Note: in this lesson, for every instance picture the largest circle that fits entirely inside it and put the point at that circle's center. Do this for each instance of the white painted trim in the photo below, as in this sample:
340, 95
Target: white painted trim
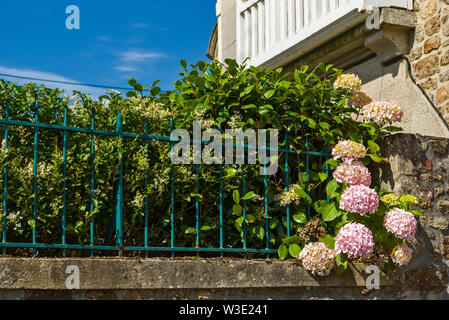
294, 26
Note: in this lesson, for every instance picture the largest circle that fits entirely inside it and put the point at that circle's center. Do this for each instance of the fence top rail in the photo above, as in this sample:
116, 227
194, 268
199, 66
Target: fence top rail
155, 137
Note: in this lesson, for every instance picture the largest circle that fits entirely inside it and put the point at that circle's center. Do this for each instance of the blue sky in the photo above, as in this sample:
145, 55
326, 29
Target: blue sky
117, 40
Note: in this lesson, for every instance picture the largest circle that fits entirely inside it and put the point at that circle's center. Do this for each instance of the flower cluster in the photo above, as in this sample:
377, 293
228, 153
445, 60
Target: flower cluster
289, 197
348, 81
360, 99
408, 198
390, 200
349, 150
401, 223
382, 112
359, 199
355, 240
352, 173
318, 258
402, 255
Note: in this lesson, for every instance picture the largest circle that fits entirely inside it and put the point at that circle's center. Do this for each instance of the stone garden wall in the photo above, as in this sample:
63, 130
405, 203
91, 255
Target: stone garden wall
419, 165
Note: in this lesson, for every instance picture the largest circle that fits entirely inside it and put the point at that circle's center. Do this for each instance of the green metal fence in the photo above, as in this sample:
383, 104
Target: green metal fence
147, 137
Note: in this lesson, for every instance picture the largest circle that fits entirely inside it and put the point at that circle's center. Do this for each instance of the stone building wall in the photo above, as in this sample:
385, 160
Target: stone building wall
430, 51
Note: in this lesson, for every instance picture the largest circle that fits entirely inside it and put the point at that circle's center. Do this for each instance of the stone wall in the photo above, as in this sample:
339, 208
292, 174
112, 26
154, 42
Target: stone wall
419, 165
430, 51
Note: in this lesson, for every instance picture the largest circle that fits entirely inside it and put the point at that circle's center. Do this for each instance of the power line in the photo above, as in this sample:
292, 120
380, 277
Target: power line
65, 82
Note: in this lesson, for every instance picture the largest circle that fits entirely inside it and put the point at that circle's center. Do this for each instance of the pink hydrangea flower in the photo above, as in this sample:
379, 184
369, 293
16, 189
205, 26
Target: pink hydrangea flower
402, 255
359, 199
317, 258
352, 173
348, 81
382, 112
349, 150
355, 240
401, 223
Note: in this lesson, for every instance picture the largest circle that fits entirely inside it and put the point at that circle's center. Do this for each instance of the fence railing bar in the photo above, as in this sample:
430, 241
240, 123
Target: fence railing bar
147, 173
308, 176
64, 181
287, 183
119, 207
172, 198
221, 203
132, 248
243, 194
265, 182
197, 208
5, 177
92, 181
36, 136
326, 150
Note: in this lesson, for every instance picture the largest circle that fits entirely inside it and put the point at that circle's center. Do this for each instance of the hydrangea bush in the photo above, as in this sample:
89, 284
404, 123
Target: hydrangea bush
360, 218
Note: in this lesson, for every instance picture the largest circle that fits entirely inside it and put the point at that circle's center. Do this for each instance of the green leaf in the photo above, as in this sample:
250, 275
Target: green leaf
300, 217
32, 223
330, 212
332, 163
183, 63
250, 218
378, 159
322, 176
249, 195
341, 262
239, 223
417, 212
393, 129
291, 240
237, 210
268, 94
328, 240
282, 252
312, 123
230, 172
206, 228
236, 196
332, 189
259, 232
319, 206
324, 125
190, 230
373, 147
294, 250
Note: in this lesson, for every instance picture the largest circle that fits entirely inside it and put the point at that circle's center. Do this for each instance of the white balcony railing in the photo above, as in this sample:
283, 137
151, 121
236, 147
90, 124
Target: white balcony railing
274, 32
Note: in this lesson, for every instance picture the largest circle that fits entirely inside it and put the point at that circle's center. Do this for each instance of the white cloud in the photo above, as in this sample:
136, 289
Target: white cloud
139, 56
125, 68
36, 74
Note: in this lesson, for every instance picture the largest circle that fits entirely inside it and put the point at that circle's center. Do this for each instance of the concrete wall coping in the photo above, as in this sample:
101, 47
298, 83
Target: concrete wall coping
119, 273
